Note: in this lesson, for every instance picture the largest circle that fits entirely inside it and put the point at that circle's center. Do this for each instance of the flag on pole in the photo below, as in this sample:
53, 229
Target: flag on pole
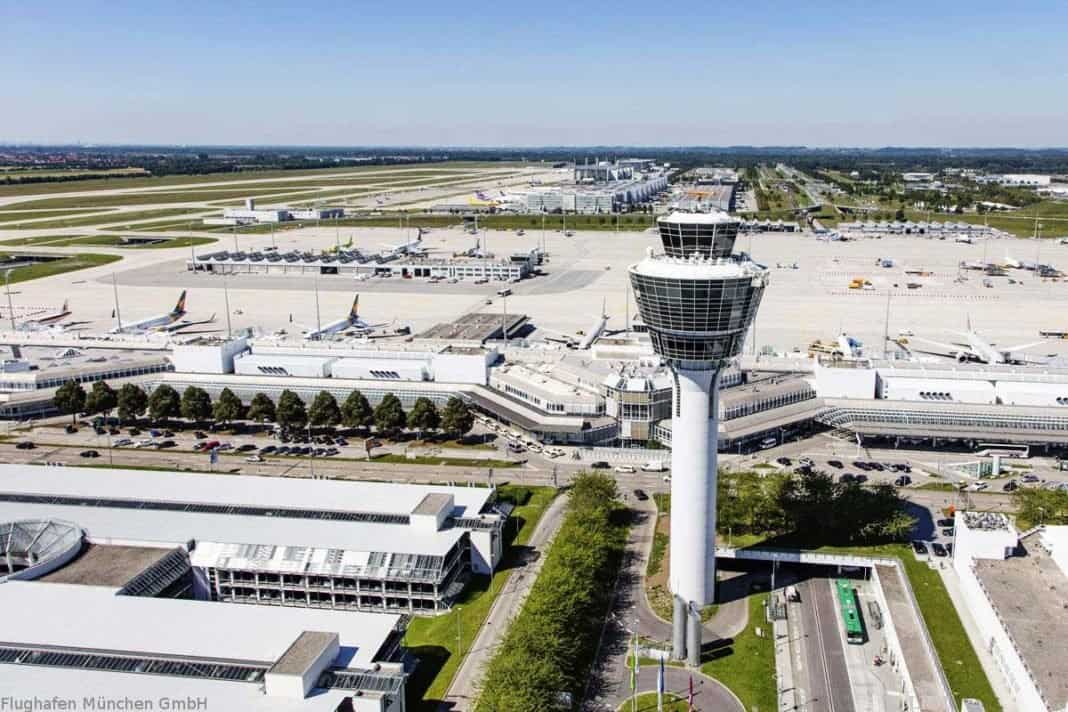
689, 698
660, 687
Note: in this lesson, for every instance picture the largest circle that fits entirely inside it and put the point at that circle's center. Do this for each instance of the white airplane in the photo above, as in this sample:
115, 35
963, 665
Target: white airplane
154, 323
412, 247
976, 348
351, 323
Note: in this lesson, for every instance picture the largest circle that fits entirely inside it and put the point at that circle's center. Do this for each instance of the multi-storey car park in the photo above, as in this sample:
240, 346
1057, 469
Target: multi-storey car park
342, 545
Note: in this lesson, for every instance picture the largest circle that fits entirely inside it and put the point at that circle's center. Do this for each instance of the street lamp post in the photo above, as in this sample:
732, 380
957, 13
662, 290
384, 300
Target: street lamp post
10, 308
459, 633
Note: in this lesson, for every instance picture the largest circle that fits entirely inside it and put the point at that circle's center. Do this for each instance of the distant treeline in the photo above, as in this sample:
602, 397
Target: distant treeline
193, 160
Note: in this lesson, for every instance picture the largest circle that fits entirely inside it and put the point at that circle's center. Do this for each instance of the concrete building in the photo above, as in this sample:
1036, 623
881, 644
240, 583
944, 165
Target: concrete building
71, 642
1017, 180
341, 545
697, 301
1015, 585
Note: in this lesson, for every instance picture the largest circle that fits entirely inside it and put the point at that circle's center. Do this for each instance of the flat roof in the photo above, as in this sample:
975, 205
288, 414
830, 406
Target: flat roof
156, 527
291, 493
709, 218
1029, 594
106, 565
94, 618
304, 651
78, 684
433, 503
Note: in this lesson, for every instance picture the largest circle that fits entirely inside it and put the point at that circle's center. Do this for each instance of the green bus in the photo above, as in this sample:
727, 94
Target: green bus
847, 605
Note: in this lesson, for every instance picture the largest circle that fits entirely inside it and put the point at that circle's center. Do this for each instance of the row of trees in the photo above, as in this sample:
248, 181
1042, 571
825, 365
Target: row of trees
547, 653
389, 416
811, 507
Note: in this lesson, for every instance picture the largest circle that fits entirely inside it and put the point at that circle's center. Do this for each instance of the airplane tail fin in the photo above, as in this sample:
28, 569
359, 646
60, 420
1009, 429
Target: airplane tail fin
354, 312
179, 308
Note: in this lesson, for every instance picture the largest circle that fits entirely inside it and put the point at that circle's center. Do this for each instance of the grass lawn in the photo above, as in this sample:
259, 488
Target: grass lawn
39, 240
120, 241
66, 264
101, 218
747, 664
434, 460
9, 217
646, 702
434, 639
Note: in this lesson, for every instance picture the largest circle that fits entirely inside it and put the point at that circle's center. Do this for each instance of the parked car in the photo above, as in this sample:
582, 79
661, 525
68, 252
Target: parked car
247, 447
640, 495
200, 435
837, 464
267, 449
122, 442
919, 547
948, 532
70, 429
25, 445
600, 465
166, 444
625, 469
948, 522
1030, 478
89, 453
1010, 486
654, 466
784, 461
253, 458
903, 481
938, 549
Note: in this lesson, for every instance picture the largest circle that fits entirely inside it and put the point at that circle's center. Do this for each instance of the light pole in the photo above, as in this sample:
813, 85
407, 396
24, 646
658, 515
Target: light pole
459, 633
10, 308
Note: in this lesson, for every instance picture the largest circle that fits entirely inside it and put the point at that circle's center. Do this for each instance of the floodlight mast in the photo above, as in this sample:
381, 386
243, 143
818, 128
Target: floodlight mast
697, 300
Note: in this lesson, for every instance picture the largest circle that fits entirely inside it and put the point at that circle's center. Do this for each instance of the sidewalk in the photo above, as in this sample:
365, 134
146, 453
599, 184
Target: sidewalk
784, 670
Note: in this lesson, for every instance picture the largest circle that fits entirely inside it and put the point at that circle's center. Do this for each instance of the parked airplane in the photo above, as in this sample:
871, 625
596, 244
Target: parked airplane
60, 315
412, 247
185, 324
352, 323
153, 323
976, 348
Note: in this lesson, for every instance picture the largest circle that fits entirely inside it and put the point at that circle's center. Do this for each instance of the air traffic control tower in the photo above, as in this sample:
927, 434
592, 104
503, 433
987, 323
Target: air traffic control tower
697, 300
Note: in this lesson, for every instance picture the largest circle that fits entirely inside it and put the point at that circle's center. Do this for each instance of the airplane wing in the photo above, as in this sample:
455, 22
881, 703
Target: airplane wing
952, 349
1022, 347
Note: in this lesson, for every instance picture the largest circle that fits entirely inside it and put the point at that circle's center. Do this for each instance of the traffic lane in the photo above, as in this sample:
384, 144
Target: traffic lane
824, 623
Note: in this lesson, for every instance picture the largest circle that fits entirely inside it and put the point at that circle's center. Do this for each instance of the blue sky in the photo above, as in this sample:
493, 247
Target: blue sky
535, 73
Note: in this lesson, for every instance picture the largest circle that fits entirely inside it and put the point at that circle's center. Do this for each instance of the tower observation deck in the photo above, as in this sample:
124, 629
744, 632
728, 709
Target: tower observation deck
697, 300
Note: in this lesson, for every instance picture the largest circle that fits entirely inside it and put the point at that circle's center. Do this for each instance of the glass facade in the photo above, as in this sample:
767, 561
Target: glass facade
703, 238
697, 320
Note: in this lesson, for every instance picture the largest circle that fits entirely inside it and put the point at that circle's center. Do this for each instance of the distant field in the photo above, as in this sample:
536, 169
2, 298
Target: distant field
118, 241
39, 240
104, 218
67, 264
7, 217
17, 175
238, 177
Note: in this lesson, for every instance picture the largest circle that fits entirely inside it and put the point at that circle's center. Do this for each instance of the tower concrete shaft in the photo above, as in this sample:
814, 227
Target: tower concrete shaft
694, 426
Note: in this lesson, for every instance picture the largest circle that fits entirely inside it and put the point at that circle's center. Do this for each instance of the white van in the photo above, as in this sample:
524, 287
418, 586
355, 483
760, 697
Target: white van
504, 292
654, 466
768, 443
